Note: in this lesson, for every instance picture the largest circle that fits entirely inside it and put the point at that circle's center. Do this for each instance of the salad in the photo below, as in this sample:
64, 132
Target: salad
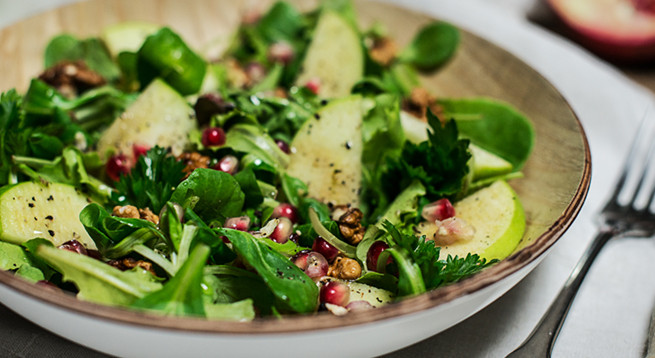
304, 169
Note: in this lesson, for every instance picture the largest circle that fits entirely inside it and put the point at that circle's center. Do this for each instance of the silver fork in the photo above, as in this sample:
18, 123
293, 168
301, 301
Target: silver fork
618, 218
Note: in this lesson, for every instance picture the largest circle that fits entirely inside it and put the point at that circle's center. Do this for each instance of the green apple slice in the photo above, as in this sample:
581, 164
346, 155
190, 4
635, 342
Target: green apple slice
327, 150
160, 116
127, 36
334, 58
497, 216
50, 211
486, 164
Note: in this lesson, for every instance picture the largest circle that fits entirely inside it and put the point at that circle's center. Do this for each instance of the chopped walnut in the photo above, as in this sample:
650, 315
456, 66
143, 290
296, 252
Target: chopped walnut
127, 211
129, 263
350, 226
419, 101
146, 214
132, 212
345, 268
384, 50
193, 161
71, 78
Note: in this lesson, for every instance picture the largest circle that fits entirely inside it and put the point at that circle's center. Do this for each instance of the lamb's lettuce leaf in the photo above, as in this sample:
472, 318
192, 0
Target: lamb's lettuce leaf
97, 281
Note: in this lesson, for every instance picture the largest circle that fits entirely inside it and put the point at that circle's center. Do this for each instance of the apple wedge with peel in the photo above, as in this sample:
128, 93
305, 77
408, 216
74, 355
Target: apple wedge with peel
620, 30
497, 216
335, 57
326, 152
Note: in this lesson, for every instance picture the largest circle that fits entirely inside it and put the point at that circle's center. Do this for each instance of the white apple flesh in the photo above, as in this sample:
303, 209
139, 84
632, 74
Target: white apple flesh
619, 30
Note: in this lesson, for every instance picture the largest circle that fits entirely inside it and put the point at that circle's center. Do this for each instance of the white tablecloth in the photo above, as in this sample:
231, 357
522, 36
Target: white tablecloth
610, 316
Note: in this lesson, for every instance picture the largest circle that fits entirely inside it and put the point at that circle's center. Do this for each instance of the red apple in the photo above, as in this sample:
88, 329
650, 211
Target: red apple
619, 30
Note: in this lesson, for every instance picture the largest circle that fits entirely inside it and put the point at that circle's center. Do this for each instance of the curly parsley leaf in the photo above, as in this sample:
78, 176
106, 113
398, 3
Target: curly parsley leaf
423, 256
151, 182
440, 163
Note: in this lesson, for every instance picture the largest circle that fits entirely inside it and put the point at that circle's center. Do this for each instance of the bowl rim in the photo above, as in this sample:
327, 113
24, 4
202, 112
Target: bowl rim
304, 323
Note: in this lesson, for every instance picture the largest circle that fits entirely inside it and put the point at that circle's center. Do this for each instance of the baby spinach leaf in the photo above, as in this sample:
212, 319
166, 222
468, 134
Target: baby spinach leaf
254, 140
229, 284
116, 236
212, 194
182, 294
294, 291
165, 55
432, 46
494, 126
248, 184
91, 51
97, 281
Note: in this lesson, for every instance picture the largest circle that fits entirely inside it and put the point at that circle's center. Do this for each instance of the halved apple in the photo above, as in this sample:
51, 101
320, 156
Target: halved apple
622, 30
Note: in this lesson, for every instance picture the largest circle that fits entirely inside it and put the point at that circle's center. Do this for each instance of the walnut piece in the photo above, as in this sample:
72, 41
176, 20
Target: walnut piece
345, 268
350, 226
193, 161
132, 212
419, 101
383, 51
129, 263
71, 78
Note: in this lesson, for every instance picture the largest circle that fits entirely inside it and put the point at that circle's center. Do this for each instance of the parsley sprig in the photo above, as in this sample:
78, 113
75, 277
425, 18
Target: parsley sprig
418, 260
151, 182
440, 163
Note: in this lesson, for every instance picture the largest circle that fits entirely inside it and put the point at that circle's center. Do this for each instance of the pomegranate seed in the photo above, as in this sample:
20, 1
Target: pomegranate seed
73, 246
360, 305
282, 231
280, 52
284, 146
336, 293
213, 137
255, 72
325, 248
300, 259
441, 209
139, 150
317, 265
117, 165
228, 164
241, 223
314, 85
373, 255
452, 230
286, 210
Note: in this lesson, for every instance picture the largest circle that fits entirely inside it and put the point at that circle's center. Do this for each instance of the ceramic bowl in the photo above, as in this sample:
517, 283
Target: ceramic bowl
553, 189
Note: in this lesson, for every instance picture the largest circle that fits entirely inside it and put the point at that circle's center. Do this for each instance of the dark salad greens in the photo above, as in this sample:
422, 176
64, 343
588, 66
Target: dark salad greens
294, 174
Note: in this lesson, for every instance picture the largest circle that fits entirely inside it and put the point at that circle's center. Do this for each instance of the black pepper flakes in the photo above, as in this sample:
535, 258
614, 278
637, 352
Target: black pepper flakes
31, 205
348, 145
51, 232
317, 116
49, 217
50, 198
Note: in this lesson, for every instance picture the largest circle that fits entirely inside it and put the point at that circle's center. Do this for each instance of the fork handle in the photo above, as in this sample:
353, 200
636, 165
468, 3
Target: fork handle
541, 340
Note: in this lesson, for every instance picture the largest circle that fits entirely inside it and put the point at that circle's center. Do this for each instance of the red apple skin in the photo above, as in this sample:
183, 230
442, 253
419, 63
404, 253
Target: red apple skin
625, 35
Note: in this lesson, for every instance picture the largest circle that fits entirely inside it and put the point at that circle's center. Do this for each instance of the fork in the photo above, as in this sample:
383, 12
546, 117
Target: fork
617, 219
